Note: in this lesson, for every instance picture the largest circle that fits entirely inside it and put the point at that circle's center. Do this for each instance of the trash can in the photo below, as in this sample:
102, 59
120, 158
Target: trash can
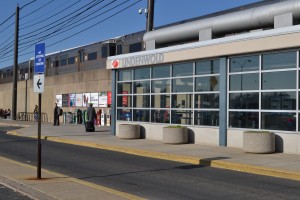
83, 116
75, 117
69, 118
64, 117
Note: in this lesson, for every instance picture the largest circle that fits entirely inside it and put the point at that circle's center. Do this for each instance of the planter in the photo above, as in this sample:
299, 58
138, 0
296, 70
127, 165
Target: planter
258, 142
129, 131
175, 135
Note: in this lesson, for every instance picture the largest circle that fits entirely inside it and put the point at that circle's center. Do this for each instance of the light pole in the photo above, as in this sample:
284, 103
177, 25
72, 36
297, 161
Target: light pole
26, 78
149, 12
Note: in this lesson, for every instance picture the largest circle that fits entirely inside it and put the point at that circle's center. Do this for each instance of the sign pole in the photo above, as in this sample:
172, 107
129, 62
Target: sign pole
39, 153
38, 87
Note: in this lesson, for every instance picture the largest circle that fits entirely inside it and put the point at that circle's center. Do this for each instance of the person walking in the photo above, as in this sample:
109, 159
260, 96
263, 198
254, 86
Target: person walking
91, 116
36, 113
56, 115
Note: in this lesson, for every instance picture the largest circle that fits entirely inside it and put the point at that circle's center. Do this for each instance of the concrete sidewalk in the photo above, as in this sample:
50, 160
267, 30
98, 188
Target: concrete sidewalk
276, 164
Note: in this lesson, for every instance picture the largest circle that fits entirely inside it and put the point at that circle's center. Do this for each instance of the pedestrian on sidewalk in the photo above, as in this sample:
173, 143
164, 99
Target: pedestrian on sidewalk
56, 115
36, 113
91, 116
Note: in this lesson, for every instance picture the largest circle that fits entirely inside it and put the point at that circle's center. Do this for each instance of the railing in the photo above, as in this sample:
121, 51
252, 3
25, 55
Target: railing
29, 116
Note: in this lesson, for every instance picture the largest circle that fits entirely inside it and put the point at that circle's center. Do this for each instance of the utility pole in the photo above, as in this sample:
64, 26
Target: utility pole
15, 69
150, 15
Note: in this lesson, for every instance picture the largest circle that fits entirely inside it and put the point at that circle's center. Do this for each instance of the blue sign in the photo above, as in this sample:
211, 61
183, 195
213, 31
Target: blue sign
39, 59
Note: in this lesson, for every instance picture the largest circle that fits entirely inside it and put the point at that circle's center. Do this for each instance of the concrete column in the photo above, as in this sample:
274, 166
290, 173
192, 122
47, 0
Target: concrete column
113, 101
205, 34
150, 45
283, 20
223, 102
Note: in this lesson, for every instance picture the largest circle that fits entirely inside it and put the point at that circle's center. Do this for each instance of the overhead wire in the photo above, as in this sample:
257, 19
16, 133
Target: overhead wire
81, 31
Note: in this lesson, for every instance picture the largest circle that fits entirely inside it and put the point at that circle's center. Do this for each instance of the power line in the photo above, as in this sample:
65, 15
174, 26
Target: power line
27, 4
36, 9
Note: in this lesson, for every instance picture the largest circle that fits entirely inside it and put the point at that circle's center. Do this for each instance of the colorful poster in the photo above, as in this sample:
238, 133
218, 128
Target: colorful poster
65, 100
72, 100
102, 99
94, 99
78, 102
58, 100
86, 99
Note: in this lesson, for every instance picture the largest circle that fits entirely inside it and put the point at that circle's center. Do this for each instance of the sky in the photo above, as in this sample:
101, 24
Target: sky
64, 24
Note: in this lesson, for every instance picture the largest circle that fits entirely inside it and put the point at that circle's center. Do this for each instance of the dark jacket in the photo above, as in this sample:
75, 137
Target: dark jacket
91, 113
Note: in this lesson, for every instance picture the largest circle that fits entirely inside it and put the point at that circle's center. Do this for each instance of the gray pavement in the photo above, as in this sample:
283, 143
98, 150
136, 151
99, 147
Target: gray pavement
276, 164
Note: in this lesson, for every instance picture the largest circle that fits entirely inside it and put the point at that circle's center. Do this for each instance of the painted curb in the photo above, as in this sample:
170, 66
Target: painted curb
253, 169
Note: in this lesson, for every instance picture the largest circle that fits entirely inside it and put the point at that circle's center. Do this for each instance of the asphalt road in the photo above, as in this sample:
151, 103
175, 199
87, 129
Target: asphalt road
147, 177
9, 194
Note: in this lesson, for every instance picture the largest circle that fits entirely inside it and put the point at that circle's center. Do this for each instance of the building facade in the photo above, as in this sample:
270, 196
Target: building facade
217, 86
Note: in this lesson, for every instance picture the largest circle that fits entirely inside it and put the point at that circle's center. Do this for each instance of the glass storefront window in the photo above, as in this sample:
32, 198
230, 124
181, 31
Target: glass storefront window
278, 101
142, 73
141, 101
244, 100
141, 115
182, 85
182, 69
279, 80
125, 75
160, 101
161, 72
160, 86
278, 121
182, 100
243, 119
124, 114
124, 101
181, 117
207, 83
207, 118
124, 88
206, 101
160, 116
282, 60
244, 82
243, 64
141, 87
208, 67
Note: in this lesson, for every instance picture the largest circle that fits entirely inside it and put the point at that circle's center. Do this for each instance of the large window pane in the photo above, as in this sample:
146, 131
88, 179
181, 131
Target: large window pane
161, 72
244, 82
279, 60
207, 118
206, 101
243, 119
123, 101
142, 73
244, 100
182, 100
279, 80
141, 101
124, 114
208, 67
278, 121
278, 101
242, 64
160, 116
141, 87
181, 116
207, 83
182, 85
183, 69
125, 75
141, 115
160, 101
124, 88
160, 86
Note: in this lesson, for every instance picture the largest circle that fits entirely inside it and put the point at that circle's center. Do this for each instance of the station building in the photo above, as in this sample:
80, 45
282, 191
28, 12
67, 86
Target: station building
220, 75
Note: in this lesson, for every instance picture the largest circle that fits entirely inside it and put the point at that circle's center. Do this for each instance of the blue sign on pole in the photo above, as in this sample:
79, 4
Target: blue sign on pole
39, 59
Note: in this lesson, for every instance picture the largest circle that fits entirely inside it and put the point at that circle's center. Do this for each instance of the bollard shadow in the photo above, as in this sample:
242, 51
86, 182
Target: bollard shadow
279, 144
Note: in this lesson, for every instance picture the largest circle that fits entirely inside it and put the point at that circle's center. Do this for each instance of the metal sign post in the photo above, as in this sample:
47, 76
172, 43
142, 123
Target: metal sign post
38, 87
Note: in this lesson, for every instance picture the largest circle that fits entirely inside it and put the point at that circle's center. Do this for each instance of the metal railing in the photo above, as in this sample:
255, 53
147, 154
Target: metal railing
30, 116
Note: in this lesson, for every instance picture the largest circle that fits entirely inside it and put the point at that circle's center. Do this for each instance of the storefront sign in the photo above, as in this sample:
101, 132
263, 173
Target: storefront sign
138, 61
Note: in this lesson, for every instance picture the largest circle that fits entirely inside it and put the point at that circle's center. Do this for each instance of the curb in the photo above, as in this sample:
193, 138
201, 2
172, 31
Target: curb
253, 169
